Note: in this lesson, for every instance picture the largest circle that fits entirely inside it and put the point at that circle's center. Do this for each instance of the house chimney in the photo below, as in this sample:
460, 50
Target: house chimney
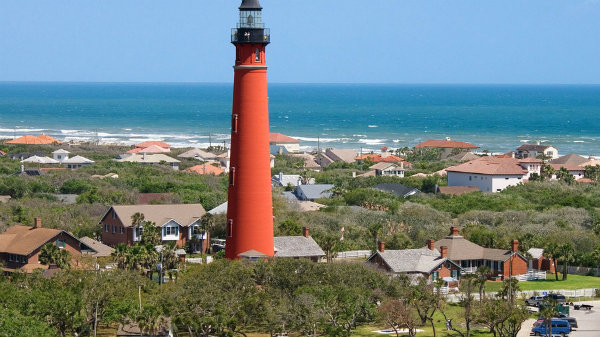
430, 244
37, 222
454, 231
444, 252
381, 246
515, 245
305, 232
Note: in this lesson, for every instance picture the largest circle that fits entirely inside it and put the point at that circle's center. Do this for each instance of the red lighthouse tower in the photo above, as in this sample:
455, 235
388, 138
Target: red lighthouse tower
250, 210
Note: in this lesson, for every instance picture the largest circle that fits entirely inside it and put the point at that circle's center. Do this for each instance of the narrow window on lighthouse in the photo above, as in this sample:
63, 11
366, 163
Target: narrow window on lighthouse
234, 123
232, 176
257, 55
229, 228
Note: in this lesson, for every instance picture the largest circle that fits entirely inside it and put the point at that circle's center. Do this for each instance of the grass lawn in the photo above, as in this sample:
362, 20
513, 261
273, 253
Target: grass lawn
453, 311
572, 282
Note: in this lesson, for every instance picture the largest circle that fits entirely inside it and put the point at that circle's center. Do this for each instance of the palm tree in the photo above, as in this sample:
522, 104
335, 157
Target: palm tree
567, 253
120, 255
208, 225
51, 254
483, 273
551, 252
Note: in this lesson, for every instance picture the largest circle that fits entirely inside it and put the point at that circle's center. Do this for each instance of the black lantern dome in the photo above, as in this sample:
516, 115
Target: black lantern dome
250, 28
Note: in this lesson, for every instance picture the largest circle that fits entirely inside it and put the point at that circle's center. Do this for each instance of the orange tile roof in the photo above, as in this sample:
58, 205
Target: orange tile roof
278, 138
2, 153
152, 142
453, 144
529, 160
569, 167
457, 190
585, 180
34, 140
490, 165
205, 169
135, 150
379, 158
23, 240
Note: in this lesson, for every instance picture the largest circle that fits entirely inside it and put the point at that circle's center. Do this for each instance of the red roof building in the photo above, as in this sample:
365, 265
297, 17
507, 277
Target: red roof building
279, 138
492, 174
149, 143
205, 169
446, 144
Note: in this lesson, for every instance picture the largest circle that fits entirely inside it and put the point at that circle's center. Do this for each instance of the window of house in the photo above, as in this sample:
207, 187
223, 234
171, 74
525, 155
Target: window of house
505, 178
114, 228
435, 275
195, 230
470, 178
257, 55
114, 214
122, 230
106, 227
171, 230
60, 243
139, 231
454, 273
22, 259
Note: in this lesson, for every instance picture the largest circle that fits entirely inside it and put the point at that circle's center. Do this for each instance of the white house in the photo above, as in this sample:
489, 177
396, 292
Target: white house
534, 150
291, 144
62, 156
388, 169
493, 174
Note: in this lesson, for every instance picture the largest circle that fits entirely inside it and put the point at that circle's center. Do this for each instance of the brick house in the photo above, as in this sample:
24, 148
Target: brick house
422, 262
471, 256
179, 223
20, 246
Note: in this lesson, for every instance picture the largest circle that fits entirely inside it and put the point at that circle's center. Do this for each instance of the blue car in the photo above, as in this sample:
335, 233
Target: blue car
559, 327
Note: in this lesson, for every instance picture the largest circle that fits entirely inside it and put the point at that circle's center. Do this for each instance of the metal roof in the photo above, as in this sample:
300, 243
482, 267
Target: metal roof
250, 4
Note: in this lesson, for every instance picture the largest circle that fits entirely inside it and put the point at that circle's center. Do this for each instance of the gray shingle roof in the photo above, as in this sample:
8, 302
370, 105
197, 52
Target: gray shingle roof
100, 249
297, 246
420, 260
397, 189
316, 191
184, 214
221, 209
460, 249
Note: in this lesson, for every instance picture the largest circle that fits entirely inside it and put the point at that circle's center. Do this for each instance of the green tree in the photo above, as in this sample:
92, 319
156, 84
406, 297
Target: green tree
566, 256
551, 251
14, 324
51, 254
564, 175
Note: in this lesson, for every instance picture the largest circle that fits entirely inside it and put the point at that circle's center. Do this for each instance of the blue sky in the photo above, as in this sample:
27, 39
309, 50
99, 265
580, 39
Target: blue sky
313, 41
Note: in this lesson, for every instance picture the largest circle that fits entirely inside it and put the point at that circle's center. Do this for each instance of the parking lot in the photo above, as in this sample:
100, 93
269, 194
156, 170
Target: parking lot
588, 320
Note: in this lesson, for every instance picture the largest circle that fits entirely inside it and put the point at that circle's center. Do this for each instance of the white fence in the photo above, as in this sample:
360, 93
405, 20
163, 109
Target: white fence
580, 270
531, 275
353, 254
588, 292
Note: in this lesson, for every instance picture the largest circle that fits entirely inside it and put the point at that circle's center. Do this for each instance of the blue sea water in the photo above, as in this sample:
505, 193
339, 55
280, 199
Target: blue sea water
498, 118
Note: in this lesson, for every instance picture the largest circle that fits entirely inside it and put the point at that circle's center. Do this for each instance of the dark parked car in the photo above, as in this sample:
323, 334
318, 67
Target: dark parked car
534, 301
556, 297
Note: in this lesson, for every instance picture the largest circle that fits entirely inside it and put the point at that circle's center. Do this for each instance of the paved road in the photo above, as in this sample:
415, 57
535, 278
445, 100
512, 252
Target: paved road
588, 321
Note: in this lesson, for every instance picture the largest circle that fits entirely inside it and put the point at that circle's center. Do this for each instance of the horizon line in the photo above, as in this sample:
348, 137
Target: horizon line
310, 83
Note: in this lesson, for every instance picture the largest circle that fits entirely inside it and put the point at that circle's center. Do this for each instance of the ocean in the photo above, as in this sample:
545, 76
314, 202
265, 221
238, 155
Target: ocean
498, 118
